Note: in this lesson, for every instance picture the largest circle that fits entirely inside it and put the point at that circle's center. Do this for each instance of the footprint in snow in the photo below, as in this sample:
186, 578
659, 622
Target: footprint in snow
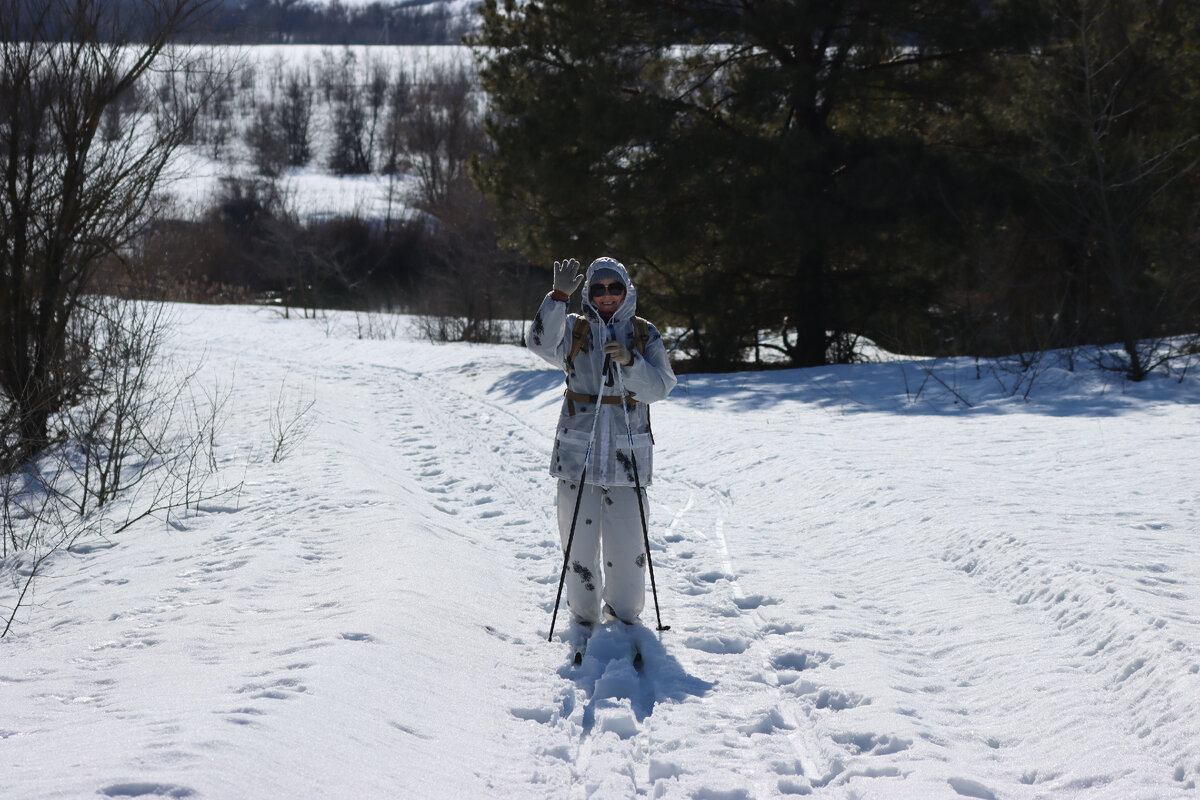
873, 744
664, 770
539, 715
969, 788
718, 645
147, 790
619, 721
282, 689
504, 637
753, 601
798, 660
830, 699
771, 722
243, 716
839, 701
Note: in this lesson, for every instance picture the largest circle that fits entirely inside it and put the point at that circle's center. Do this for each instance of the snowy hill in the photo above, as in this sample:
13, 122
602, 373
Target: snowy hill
458, 7
875, 591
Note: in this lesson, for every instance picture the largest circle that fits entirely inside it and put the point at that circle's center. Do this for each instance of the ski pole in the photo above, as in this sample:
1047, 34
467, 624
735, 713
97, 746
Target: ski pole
637, 487
578, 498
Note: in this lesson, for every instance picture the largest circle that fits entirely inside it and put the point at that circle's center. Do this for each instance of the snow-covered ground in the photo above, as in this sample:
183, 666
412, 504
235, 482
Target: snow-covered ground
311, 191
874, 591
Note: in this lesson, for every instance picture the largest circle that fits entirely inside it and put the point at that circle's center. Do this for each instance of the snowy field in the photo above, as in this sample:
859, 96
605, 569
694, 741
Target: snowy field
310, 191
874, 591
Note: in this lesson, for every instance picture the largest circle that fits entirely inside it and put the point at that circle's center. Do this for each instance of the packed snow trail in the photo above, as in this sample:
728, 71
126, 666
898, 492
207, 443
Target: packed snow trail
870, 594
938, 661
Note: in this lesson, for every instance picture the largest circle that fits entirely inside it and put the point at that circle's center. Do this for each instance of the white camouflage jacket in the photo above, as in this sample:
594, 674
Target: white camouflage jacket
648, 379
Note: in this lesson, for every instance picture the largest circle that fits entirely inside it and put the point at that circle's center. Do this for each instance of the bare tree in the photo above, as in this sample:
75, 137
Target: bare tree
266, 144
143, 447
116, 425
70, 196
441, 122
355, 113
295, 117
443, 130
1114, 155
290, 422
396, 124
280, 134
470, 287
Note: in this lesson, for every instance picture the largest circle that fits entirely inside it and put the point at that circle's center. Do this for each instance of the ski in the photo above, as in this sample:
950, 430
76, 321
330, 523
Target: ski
579, 640
580, 636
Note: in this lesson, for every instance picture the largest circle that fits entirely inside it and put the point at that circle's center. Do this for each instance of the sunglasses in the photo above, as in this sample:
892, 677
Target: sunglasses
600, 289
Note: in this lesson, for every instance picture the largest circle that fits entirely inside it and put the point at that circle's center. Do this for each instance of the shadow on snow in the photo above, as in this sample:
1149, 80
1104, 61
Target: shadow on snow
919, 387
529, 384
608, 678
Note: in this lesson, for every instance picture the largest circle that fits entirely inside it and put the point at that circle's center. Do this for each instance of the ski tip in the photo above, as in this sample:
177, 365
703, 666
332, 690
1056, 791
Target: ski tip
578, 660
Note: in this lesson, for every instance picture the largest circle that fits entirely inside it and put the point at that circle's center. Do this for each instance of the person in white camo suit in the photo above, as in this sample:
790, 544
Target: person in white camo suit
608, 529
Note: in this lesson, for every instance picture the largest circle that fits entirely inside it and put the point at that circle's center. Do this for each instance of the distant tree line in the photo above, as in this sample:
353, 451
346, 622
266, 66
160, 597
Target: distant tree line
267, 22
941, 176
786, 180
432, 250
312, 22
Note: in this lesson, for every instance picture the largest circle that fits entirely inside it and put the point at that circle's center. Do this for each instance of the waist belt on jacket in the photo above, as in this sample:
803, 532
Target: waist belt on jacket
608, 400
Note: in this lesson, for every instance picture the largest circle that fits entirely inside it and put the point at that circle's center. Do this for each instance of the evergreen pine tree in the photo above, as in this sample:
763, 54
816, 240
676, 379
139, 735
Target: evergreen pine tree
721, 148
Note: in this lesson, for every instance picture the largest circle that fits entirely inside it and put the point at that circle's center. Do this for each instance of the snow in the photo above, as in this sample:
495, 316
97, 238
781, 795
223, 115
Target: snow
456, 7
874, 591
311, 192
308, 192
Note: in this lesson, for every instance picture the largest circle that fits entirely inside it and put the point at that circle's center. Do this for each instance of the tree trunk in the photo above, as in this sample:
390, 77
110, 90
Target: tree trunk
812, 339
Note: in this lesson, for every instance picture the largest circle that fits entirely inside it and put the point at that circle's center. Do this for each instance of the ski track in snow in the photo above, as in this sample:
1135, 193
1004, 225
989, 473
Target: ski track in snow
863, 601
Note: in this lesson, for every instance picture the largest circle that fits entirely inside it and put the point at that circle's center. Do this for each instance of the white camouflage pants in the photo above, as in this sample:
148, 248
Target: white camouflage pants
609, 526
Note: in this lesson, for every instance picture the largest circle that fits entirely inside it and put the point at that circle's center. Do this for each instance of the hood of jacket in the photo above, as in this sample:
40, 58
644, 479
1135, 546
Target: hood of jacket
628, 307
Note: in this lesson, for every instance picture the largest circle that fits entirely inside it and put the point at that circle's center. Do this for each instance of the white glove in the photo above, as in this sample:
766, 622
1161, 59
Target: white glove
567, 276
619, 353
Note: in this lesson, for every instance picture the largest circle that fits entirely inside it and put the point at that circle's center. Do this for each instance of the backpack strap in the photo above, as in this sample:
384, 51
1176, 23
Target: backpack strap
641, 334
577, 336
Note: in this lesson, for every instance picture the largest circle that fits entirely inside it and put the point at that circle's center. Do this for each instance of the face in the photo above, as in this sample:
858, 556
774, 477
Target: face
604, 299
